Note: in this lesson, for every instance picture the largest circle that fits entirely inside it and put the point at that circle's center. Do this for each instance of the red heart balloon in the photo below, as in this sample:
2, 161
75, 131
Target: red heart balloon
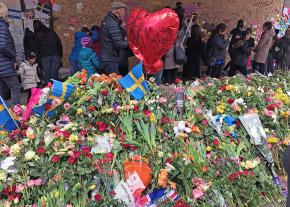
151, 36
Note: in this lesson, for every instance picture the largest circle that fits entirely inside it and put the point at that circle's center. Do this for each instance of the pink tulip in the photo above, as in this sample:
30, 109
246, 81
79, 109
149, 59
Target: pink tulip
37, 182
198, 111
30, 183
66, 106
19, 188
197, 194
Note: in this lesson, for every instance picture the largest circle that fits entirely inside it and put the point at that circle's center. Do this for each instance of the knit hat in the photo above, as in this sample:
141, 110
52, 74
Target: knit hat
118, 5
29, 55
3, 10
86, 42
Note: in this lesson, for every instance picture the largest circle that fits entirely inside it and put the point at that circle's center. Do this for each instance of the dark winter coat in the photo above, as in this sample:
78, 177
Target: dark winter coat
236, 35
112, 39
285, 44
218, 46
240, 52
7, 51
49, 44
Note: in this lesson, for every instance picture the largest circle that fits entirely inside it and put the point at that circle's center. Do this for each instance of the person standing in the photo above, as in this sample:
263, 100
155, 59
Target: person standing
170, 68
8, 76
74, 56
49, 48
236, 34
96, 30
28, 73
284, 47
271, 59
180, 12
195, 49
112, 38
263, 47
217, 48
241, 50
28, 41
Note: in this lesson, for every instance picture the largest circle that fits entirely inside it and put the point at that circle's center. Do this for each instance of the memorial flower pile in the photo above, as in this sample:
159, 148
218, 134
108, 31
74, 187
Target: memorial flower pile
103, 148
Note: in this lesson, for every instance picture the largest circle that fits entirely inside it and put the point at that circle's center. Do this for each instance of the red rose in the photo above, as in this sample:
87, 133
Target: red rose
91, 108
119, 89
163, 120
79, 142
77, 154
230, 101
102, 126
109, 156
98, 197
47, 107
40, 150
177, 81
136, 108
216, 141
55, 159
104, 92
11, 197
86, 150
89, 156
71, 160
223, 88
147, 112
65, 134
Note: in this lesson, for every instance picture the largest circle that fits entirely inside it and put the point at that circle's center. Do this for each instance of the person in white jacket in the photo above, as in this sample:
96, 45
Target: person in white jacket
28, 72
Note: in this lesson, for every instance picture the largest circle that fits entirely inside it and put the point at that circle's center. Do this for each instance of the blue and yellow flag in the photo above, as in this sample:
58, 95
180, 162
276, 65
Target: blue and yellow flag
60, 91
8, 120
135, 83
43, 8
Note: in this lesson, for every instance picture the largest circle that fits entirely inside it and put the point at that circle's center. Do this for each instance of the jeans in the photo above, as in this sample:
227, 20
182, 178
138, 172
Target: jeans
50, 65
216, 71
235, 68
74, 67
270, 63
261, 67
110, 67
13, 85
158, 77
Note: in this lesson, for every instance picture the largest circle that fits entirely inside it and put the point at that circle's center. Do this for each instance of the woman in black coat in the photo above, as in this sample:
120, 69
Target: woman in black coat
49, 49
286, 164
194, 51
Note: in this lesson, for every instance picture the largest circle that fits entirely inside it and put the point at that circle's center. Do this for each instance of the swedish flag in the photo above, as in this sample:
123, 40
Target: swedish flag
60, 91
135, 83
43, 8
8, 120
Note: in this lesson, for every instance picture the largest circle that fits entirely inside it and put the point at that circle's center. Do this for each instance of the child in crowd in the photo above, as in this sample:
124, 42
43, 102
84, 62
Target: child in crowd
28, 72
88, 59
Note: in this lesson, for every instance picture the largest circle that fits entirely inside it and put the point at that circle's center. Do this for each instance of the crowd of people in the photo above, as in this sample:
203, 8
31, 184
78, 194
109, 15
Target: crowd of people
105, 49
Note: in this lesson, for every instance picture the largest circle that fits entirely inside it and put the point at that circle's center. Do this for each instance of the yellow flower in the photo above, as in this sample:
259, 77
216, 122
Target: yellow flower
56, 194
249, 93
80, 111
4, 133
232, 128
208, 149
73, 138
152, 118
285, 114
15, 149
29, 155
3, 176
90, 139
272, 140
220, 108
92, 187
229, 87
250, 164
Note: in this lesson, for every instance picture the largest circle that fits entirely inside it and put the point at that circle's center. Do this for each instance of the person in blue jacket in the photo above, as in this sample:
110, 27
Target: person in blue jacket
74, 56
7, 59
88, 59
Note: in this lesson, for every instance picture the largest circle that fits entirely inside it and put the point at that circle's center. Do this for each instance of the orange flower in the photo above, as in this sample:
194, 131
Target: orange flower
195, 129
162, 178
173, 185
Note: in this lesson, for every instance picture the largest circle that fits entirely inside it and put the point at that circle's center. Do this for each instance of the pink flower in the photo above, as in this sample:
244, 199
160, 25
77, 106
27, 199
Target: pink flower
197, 194
209, 84
19, 188
198, 111
66, 106
37, 182
30, 183
197, 181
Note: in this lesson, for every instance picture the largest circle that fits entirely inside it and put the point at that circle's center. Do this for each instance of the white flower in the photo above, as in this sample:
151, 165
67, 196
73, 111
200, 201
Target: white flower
29, 155
14, 150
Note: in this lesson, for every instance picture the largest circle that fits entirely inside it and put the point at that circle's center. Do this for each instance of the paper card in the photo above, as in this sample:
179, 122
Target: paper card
56, 7
103, 145
80, 6
31, 4
40, 15
134, 182
123, 193
253, 126
8, 164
